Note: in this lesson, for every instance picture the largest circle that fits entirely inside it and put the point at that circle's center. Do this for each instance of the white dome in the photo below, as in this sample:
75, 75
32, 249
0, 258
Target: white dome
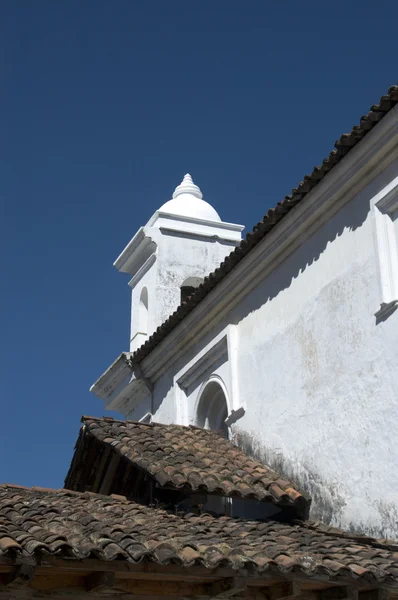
188, 202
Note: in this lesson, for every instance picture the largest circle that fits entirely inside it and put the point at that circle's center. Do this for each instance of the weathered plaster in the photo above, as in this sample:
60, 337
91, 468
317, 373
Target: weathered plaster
316, 374
315, 371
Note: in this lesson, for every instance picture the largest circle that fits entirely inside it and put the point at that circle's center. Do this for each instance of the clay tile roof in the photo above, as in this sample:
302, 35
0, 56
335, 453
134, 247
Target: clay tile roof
343, 145
192, 458
36, 523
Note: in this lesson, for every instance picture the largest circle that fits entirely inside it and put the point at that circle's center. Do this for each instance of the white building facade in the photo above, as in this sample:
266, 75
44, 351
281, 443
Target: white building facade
291, 346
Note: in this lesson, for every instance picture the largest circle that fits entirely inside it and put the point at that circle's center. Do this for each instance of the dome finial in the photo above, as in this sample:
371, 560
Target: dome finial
187, 186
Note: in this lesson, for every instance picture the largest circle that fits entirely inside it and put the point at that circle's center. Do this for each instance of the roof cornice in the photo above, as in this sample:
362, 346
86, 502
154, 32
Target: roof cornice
133, 255
385, 115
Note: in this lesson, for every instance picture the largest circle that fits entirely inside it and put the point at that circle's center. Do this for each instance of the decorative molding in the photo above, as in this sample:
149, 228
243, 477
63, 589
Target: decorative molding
342, 184
233, 358
121, 384
113, 377
138, 374
219, 350
197, 221
144, 269
130, 258
220, 382
385, 210
211, 235
387, 199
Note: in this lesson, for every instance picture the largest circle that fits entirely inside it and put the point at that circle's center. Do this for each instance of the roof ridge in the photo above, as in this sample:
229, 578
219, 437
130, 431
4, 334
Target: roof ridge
343, 145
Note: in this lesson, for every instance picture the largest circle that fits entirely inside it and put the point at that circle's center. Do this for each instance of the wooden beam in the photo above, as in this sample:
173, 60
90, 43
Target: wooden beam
109, 474
296, 591
379, 594
287, 591
30, 594
101, 468
226, 588
339, 593
99, 581
142, 570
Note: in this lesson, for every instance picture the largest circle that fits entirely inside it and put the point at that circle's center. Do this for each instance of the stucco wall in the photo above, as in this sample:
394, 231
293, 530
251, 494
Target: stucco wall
319, 376
304, 355
315, 372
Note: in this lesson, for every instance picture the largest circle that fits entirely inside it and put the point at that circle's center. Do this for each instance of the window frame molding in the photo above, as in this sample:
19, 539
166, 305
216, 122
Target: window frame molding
385, 213
213, 379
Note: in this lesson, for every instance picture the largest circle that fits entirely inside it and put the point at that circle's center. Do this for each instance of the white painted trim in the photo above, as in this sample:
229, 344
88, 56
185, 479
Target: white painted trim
217, 224
129, 259
385, 207
193, 371
233, 354
113, 376
221, 235
141, 272
364, 162
121, 401
218, 350
212, 379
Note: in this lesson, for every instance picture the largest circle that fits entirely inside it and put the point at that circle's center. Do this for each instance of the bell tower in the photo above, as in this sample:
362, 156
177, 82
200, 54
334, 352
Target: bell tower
182, 242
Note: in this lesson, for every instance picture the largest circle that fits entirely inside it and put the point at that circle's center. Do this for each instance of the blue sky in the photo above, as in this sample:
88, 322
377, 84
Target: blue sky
104, 107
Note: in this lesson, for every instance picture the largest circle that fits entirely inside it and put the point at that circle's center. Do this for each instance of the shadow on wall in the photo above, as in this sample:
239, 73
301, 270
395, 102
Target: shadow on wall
326, 503
350, 217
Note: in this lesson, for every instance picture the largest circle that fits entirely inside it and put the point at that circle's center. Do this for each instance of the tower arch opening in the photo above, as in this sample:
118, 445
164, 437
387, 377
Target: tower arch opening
212, 410
143, 312
188, 286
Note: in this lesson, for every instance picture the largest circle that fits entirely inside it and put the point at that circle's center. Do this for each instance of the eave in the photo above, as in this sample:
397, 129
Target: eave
373, 125
91, 578
135, 253
285, 231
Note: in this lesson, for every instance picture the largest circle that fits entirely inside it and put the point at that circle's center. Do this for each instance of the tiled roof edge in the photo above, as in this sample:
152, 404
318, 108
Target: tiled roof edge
314, 525
62, 491
343, 145
289, 493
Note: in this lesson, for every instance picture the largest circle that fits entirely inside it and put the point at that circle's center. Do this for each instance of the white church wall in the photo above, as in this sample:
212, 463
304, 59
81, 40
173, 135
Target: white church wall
321, 373
316, 372
301, 336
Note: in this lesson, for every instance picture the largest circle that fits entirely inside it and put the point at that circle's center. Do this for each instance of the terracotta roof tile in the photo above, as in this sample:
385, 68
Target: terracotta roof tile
77, 526
342, 146
171, 454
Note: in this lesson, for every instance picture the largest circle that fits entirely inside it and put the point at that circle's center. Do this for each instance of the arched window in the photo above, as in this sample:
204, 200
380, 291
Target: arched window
143, 312
189, 286
212, 408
